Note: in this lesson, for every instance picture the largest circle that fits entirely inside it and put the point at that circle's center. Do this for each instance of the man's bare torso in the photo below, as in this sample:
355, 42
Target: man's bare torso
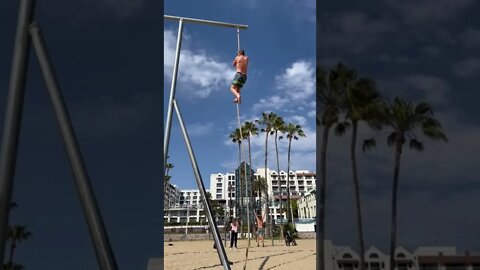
241, 62
259, 223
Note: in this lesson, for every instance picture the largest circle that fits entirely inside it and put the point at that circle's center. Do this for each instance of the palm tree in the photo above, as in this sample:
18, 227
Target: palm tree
16, 234
331, 87
250, 130
403, 118
278, 126
267, 122
293, 131
167, 178
361, 103
237, 138
12, 266
260, 185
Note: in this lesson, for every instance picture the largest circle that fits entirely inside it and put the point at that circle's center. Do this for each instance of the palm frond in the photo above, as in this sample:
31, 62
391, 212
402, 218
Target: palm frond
416, 145
368, 144
341, 128
392, 138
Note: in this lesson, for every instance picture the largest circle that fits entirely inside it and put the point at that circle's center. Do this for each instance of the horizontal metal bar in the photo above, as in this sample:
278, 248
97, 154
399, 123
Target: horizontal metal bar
232, 25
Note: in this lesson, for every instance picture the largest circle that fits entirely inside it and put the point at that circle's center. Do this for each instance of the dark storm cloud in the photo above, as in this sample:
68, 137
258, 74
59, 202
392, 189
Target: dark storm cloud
418, 12
422, 51
467, 68
353, 30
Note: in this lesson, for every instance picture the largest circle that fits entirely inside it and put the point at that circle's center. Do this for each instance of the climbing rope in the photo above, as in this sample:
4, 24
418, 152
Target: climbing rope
245, 166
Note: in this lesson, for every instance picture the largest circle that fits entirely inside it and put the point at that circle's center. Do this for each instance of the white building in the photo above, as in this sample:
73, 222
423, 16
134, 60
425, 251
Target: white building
188, 209
307, 205
301, 181
172, 196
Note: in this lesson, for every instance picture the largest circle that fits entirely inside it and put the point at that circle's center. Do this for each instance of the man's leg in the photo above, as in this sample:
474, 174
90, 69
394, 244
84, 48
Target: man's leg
235, 239
236, 92
231, 239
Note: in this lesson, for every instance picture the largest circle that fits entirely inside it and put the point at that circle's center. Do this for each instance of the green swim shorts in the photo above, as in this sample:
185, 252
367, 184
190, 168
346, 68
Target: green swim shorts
239, 79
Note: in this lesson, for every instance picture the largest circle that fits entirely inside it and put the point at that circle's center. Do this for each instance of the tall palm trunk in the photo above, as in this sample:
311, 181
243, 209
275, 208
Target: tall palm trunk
279, 181
396, 174
321, 199
357, 194
289, 204
250, 186
13, 245
238, 185
267, 215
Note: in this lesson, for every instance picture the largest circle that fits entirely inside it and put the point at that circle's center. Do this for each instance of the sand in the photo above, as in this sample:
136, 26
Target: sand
201, 255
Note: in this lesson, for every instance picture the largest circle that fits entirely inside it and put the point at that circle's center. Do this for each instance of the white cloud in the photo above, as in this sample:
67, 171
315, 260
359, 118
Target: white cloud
270, 103
298, 80
296, 119
200, 129
201, 73
467, 68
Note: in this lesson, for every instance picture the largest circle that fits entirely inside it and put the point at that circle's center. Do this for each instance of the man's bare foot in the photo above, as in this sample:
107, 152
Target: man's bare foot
238, 100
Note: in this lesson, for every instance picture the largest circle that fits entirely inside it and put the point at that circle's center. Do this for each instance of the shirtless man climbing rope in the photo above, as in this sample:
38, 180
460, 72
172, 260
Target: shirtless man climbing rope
260, 228
241, 64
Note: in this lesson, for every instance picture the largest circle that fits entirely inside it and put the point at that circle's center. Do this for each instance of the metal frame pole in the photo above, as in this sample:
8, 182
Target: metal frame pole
95, 223
215, 23
172, 91
13, 116
213, 226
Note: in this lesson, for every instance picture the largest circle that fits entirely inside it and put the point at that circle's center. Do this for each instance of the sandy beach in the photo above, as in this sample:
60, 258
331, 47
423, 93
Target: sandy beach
201, 255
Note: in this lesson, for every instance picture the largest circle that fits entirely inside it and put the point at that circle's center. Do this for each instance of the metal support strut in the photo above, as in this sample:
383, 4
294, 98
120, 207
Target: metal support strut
172, 104
28, 32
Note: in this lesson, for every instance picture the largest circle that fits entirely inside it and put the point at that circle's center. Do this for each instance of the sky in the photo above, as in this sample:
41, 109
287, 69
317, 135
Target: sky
421, 51
280, 44
107, 58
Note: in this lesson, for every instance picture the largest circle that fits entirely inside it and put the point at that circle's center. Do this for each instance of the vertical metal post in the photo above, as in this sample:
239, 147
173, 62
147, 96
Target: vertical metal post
172, 91
96, 226
203, 193
13, 116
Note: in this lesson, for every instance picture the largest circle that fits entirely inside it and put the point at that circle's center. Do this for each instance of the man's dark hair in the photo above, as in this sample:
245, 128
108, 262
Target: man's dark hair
242, 52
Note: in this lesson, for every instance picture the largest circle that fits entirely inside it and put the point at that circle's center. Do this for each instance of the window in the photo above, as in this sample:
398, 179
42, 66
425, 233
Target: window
455, 266
428, 266
347, 256
374, 266
219, 184
373, 255
219, 196
402, 266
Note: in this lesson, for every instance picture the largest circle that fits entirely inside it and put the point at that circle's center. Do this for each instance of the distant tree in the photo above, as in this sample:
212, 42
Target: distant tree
403, 118
16, 234
293, 131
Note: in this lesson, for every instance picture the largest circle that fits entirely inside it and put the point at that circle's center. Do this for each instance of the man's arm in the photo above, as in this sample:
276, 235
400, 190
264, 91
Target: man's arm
234, 62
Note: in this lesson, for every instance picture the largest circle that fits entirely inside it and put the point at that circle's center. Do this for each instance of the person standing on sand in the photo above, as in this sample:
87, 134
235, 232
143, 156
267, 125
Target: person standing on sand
234, 233
241, 64
260, 228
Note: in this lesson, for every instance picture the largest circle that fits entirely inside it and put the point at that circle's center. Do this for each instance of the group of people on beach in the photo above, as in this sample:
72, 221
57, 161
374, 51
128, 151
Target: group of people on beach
259, 230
